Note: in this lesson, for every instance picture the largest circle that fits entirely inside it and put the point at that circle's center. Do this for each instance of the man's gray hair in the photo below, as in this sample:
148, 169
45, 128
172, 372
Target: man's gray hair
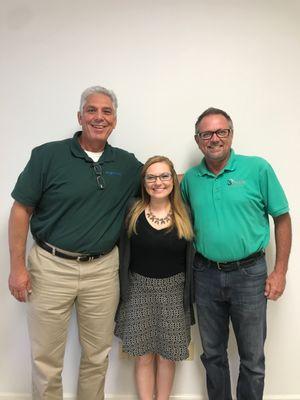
100, 90
213, 111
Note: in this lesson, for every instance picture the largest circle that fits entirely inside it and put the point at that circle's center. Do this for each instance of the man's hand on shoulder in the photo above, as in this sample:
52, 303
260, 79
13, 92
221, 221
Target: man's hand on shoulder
19, 284
180, 177
275, 285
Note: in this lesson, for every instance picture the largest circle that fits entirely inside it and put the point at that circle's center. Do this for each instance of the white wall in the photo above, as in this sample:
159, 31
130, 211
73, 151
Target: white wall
167, 61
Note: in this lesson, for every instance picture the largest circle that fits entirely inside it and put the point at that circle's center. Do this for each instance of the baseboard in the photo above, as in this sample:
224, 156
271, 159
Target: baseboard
26, 396
191, 397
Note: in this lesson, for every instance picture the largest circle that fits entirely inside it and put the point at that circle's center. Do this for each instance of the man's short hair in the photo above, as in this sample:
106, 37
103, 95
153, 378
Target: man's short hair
213, 111
100, 90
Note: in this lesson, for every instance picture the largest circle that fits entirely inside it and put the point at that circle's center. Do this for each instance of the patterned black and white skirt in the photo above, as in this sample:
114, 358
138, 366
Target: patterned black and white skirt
152, 319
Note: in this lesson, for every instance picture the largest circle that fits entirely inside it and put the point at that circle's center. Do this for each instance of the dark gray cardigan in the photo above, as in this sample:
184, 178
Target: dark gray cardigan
124, 256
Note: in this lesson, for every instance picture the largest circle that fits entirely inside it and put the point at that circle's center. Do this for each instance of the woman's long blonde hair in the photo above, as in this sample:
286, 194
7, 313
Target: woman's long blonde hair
180, 218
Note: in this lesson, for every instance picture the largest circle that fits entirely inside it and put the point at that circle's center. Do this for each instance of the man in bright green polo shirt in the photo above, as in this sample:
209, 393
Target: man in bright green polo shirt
231, 197
73, 194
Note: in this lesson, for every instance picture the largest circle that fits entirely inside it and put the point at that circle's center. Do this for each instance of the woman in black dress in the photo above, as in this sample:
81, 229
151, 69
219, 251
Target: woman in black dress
156, 254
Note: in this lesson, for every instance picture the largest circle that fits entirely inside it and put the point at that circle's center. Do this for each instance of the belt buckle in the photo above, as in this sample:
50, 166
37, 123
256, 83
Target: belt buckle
222, 266
85, 258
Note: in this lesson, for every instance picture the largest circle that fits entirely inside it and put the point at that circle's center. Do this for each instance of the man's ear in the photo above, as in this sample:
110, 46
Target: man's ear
79, 117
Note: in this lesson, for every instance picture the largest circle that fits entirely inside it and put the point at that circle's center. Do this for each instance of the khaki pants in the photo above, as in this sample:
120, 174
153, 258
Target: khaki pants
57, 284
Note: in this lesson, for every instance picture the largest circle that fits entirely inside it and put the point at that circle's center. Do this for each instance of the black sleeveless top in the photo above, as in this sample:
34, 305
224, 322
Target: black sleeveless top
156, 253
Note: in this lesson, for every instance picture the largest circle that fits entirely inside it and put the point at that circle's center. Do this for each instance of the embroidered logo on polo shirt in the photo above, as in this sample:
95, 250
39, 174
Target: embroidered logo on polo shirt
234, 182
113, 173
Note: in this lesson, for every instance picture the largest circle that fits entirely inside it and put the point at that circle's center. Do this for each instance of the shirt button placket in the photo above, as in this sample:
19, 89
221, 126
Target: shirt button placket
217, 190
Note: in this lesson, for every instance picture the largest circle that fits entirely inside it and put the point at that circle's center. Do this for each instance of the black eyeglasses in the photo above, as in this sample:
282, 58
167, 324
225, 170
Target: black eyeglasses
99, 176
207, 135
164, 177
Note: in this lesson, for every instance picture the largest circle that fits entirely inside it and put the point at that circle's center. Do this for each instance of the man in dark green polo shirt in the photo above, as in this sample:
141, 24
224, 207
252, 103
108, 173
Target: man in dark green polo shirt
231, 197
73, 194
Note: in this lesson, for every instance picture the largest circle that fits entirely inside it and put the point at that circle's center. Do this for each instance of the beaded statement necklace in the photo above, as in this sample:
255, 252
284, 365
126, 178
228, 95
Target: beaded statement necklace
159, 221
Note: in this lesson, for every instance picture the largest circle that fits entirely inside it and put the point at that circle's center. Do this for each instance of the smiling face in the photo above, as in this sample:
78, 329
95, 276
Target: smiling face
216, 150
98, 119
159, 189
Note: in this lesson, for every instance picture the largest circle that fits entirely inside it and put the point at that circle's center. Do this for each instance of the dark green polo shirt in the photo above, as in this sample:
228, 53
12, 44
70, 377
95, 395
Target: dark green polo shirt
71, 211
230, 210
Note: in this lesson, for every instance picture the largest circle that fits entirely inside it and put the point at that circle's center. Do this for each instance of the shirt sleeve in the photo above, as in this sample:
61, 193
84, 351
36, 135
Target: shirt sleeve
184, 189
274, 197
28, 189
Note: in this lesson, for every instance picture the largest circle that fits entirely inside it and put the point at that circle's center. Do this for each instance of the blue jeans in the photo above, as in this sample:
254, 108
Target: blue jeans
237, 296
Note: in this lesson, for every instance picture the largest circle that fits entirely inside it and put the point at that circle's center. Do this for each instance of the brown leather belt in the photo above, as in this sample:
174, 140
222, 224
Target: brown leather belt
61, 254
231, 265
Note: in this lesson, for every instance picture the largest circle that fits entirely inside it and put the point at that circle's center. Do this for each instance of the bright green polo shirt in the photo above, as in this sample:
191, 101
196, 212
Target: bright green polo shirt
230, 210
71, 211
